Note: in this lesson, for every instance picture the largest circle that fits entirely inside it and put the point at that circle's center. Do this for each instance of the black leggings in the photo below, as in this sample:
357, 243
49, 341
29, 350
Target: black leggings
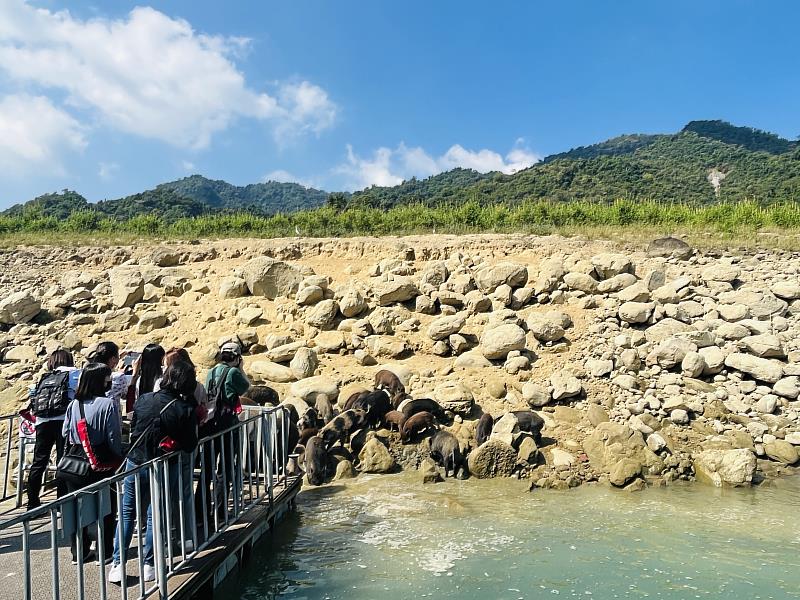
48, 434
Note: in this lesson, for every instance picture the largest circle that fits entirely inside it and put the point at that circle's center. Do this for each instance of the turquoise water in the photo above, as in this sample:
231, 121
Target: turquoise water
389, 537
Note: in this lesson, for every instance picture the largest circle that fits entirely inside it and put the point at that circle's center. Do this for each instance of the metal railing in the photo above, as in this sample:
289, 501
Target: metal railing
182, 501
12, 446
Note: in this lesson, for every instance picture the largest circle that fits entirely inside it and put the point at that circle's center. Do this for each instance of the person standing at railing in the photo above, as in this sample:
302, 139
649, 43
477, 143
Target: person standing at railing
162, 422
147, 370
101, 415
225, 383
49, 401
108, 354
187, 457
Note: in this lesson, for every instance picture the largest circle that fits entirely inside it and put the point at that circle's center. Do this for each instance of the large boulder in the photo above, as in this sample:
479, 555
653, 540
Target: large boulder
493, 458
781, 451
308, 389
725, 467
490, 277
264, 370
127, 286
764, 345
375, 458
721, 272
664, 329
165, 257
565, 385
535, 395
308, 295
497, 342
762, 369
671, 352
284, 352
398, 290
304, 363
323, 314
788, 387
443, 327
386, 346
611, 442
352, 303
329, 342
232, 287
550, 274
624, 471
271, 278
19, 307
454, 396
636, 312
545, 328
787, 289
151, 320
608, 264
472, 360
581, 282
670, 247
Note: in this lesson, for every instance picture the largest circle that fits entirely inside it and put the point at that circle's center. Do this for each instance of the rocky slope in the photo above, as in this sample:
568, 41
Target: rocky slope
647, 364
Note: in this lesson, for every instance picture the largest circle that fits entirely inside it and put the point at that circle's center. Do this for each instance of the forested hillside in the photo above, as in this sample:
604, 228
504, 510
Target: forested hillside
707, 161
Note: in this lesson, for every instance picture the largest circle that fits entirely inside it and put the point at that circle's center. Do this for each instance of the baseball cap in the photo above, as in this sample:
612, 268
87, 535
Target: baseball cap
231, 347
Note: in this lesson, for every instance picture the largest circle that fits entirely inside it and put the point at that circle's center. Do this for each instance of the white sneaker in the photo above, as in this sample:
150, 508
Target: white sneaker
149, 573
115, 574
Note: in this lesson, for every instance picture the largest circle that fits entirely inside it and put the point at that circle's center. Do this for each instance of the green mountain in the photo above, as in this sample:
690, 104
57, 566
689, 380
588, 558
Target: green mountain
444, 187
745, 163
268, 198
188, 197
749, 138
706, 161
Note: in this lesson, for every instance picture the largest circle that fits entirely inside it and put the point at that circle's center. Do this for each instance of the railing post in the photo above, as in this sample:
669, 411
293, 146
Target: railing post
7, 465
123, 551
54, 552
20, 469
158, 537
26, 560
137, 497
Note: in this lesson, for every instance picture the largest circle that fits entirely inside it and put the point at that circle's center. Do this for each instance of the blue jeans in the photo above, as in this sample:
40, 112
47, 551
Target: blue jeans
127, 520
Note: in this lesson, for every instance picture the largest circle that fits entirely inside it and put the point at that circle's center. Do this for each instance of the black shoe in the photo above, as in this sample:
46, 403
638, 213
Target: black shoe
33, 505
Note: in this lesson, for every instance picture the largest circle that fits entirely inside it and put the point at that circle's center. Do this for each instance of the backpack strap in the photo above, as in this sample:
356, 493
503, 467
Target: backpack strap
220, 385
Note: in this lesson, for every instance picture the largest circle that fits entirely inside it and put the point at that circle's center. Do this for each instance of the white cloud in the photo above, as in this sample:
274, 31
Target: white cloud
33, 132
389, 167
364, 172
149, 74
106, 171
308, 109
188, 165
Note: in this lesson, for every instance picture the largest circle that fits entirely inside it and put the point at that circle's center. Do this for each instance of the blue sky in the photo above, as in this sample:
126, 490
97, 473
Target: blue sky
113, 98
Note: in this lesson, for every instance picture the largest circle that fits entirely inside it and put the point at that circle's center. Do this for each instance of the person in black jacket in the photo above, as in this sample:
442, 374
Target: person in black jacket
162, 422
49, 402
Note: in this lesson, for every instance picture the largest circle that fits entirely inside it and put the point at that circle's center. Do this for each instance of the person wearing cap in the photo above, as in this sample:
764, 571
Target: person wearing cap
225, 384
227, 376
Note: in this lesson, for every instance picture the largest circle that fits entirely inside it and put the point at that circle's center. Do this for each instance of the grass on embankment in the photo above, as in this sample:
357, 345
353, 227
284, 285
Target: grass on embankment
741, 224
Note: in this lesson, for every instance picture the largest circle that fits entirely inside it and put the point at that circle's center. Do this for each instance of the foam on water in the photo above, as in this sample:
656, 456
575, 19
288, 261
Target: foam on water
395, 538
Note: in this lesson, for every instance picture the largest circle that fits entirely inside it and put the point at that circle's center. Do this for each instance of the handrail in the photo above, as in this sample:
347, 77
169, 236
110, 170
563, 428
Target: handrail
228, 474
9, 447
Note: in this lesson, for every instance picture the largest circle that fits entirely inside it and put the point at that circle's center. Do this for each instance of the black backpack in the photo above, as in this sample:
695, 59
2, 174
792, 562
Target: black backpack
51, 397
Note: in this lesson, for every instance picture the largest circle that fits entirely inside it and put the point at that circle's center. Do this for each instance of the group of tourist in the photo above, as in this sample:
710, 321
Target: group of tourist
79, 412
